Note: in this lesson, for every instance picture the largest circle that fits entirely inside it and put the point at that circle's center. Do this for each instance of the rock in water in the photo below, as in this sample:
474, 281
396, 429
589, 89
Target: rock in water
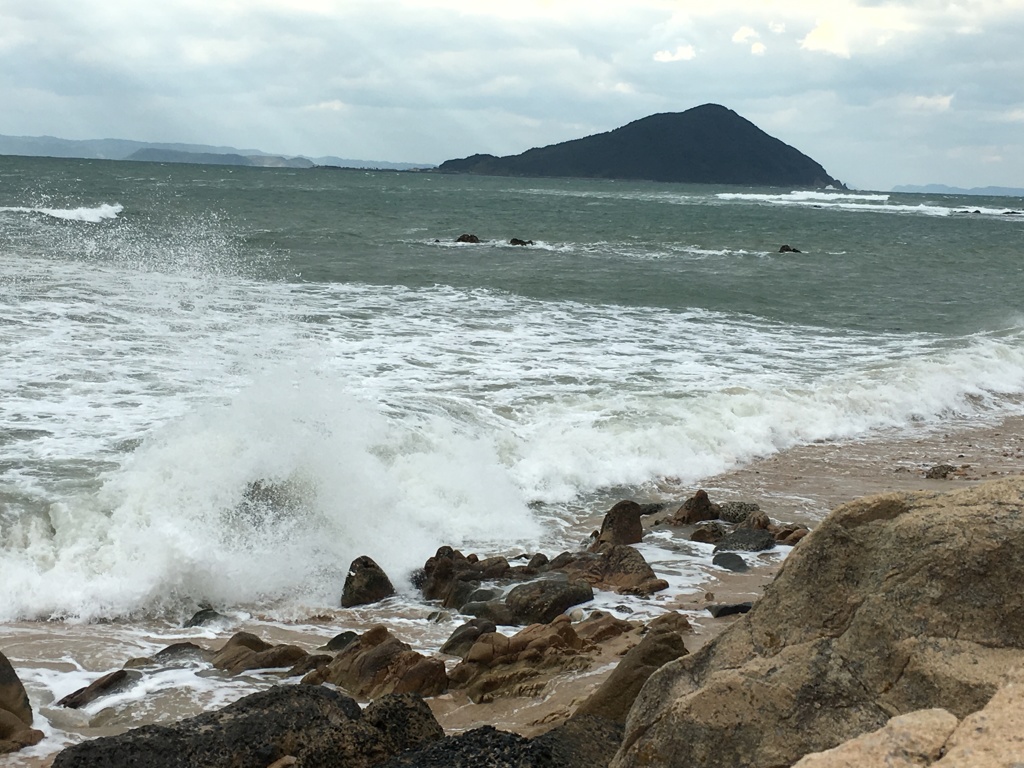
621, 525
365, 583
895, 603
16, 729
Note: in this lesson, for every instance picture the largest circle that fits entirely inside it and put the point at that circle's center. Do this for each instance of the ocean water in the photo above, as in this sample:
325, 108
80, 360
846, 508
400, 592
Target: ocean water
171, 335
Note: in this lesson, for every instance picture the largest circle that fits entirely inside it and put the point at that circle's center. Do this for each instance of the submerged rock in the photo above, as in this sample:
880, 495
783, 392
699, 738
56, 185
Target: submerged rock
894, 603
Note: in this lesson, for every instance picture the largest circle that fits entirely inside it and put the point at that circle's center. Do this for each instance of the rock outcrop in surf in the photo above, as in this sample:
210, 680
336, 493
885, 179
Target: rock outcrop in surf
709, 144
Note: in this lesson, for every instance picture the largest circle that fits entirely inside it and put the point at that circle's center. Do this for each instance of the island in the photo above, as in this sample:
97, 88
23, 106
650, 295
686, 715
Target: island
709, 144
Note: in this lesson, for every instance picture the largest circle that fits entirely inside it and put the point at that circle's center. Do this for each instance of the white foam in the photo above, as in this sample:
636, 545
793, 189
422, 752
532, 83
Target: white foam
92, 215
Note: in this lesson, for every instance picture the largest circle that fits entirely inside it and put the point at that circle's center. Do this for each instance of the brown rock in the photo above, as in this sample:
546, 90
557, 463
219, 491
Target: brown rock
912, 740
13, 698
539, 602
618, 568
992, 737
695, 509
895, 603
365, 583
380, 663
757, 521
621, 525
110, 683
617, 693
709, 532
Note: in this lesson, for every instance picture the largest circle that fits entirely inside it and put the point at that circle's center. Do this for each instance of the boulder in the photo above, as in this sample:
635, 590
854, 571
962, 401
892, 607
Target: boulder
205, 617
16, 731
466, 237
894, 603
737, 511
245, 651
380, 663
730, 561
483, 746
110, 683
539, 602
621, 525
695, 509
746, 540
709, 532
616, 694
619, 568
405, 721
788, 249
518, 241
296, 724
365, 583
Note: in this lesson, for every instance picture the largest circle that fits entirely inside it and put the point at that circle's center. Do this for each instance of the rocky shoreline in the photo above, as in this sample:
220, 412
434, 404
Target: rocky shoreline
895, 605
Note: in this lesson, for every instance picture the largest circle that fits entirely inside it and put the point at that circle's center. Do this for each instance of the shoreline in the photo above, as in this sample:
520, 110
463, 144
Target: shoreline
800, 485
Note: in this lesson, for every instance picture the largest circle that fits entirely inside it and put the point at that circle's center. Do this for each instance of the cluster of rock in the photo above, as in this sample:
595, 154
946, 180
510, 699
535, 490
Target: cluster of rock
467, 237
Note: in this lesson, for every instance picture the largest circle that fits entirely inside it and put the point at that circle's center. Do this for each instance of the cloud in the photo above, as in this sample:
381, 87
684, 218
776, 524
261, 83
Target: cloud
681, 53
828, 38
777, 27
758, 49
743, 34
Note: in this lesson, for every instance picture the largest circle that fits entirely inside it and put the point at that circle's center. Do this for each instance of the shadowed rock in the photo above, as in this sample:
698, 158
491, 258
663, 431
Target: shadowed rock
621, 525
695, 509
365, 583
16, 729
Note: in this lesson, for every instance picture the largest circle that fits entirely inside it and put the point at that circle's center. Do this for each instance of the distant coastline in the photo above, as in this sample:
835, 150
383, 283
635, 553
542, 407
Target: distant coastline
942, 189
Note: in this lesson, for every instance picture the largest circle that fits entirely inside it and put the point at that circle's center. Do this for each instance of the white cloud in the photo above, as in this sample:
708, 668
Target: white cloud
758, 49
681, 53
828, 38
743, 34
777, 27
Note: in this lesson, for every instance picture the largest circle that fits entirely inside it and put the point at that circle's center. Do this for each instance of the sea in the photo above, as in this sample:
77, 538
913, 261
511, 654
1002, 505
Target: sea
174, 336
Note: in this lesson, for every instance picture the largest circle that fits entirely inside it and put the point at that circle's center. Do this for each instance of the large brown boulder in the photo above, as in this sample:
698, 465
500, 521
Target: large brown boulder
695, 509
619, 568
245, 651
539, 602
895, 603
379, 663
16, 729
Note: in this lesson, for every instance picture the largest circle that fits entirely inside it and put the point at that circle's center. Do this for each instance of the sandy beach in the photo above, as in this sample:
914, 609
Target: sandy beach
800, 485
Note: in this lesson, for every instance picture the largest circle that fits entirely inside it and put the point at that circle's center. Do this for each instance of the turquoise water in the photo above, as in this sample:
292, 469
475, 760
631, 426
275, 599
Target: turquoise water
169, 334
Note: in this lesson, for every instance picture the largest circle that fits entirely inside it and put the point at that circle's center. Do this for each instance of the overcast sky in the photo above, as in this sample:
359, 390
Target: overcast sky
880, 92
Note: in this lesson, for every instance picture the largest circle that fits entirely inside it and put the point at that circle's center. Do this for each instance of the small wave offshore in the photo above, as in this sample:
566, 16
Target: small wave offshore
92, 215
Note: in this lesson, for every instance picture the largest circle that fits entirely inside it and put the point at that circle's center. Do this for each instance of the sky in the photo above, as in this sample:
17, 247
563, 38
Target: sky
880, 92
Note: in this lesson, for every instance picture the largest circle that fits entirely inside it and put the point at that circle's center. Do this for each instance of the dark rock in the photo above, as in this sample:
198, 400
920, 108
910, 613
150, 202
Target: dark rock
181, 654
621, 525
405, 721
540, 602
467, 238
788, 249
517, 241
746, 540
538, 561
730, 561
462, 639
484, 747
616, 694
205, 617
313, 724
720, 611
583, 741
365, 583
940, 472
618, 568
736, 511
757, 521
110, 683
340, 641
695, 509
562, 560
309, 663
494, 611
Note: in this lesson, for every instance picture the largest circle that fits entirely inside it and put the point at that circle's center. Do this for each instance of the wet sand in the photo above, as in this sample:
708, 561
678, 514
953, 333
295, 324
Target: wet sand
800, 485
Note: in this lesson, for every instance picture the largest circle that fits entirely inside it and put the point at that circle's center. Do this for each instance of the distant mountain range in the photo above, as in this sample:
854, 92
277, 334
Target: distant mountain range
942, 189
709, 144
124, 149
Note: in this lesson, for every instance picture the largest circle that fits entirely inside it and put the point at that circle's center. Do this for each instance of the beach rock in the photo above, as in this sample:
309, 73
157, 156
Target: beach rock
619, 568
340, 641
600, 626
894, 603
405, 721
484, 746
729, 609
465, 237
462, 639
379, 663
616, 694
907, 741
730, 561
788, 249
621, 525
746, 540
736, 511
16, 731
583, 741
520, 665
206, 617
312, 724
517, 241
709, 532
309, 663
495, 611
992, 737
245, 651
755, 521
110, 683
365, 583
540, 602
695, 509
